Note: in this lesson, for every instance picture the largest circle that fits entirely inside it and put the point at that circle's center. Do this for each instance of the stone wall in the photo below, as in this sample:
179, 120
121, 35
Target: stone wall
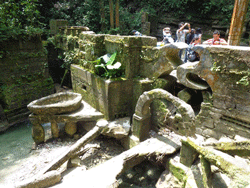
24, 77
226, 71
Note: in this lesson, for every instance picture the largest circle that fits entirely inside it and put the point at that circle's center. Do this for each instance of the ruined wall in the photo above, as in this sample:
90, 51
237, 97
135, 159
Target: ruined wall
226, 70
139, 57
24, 77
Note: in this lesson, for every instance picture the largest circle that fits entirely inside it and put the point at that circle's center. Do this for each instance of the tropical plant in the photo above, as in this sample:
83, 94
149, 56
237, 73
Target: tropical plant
107, 66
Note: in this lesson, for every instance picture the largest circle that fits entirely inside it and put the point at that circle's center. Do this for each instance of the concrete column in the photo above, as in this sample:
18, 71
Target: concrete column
141, 127
70, 128
54, 129
237, 21
38, 133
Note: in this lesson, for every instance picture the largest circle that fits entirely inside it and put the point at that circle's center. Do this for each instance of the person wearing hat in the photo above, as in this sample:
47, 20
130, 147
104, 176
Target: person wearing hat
167, 38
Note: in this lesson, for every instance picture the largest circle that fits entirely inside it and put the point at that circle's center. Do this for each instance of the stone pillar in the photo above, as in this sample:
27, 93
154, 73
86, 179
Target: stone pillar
188, 155
70, 128
38, 133
55, 24
237, 21
141, 126
206, 172
54, 129
145, 24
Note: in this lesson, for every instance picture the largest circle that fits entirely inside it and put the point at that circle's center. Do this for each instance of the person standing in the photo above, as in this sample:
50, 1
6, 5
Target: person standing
190, 36
182, 32
181, 37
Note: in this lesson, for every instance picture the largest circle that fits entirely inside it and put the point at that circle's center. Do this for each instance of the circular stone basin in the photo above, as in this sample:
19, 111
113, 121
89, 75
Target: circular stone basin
58, 103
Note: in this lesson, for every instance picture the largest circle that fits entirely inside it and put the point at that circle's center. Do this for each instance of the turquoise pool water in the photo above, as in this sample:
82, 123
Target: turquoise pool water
15, 144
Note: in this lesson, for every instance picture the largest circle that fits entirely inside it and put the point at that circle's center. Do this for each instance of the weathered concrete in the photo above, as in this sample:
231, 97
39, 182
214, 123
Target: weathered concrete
180, 120
225, 69
237, 170
57, 103
84, 113
112, 98
46, 180
24, 77
186, 75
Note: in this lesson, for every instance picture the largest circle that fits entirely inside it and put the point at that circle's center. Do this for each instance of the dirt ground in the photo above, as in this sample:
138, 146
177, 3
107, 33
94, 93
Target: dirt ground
102, 149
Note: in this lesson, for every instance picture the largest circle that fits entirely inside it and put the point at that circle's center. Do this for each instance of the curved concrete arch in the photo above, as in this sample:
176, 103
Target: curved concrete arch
141, 119
144, 101
187, 75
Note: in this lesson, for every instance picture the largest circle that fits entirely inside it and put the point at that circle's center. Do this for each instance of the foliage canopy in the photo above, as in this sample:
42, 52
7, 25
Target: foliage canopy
32, 16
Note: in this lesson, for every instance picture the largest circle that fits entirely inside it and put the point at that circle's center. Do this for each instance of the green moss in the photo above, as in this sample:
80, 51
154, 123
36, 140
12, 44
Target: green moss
236, 173
18, 95
178, 172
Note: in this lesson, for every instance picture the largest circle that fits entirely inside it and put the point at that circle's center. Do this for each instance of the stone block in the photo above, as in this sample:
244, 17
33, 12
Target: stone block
112, 98
206, 172
187, 155
141, 127
114, 43
145, 28
56, 24
179, 170
211, 133
144, 17
119, 128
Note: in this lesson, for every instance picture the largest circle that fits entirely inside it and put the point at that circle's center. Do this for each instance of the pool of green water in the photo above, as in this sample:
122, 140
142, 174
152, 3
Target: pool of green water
15, 144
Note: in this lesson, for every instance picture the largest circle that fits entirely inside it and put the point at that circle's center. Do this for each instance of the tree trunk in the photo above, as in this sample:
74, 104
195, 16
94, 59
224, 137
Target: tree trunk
102, 13
237, 21
111, 11
117, 14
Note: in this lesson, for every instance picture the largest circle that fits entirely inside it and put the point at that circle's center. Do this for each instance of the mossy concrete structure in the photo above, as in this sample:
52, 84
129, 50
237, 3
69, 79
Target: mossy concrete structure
221, 76
141, 60
24, 77
225, 69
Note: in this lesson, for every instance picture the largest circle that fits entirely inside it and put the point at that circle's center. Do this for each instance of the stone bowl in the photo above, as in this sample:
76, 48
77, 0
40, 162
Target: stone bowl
58, 103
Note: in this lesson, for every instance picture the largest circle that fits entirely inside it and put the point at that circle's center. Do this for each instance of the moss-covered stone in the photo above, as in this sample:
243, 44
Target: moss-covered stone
24, 75
111, 97
179, 171
234, 148
226, 163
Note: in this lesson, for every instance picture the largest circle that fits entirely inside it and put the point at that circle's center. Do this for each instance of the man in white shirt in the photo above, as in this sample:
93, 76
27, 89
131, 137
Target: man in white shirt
181, 32
181, 36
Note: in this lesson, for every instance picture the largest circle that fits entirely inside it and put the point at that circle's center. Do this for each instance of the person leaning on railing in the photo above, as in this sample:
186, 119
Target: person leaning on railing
216, 40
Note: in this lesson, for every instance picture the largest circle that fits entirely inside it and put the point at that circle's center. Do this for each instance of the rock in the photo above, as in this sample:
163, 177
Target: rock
237, 170
119, 128
75, 162
240, 138
220, 180
167, 180
187, 155
185, 95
